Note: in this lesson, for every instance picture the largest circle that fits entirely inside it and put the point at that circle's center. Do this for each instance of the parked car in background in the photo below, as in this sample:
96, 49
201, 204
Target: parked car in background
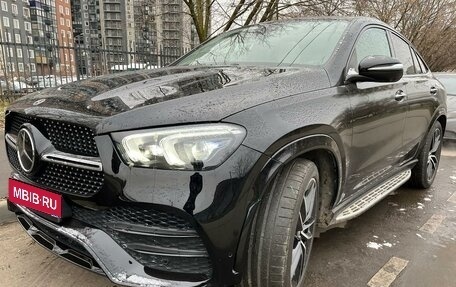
47, 81
218, 170
15, 86
449, 81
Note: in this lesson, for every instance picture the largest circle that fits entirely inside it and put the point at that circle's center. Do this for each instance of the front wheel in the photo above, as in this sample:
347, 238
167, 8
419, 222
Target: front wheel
423, 174
283, 233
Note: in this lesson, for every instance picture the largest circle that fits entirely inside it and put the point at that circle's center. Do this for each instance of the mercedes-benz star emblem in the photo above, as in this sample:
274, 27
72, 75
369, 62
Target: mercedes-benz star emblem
26, 150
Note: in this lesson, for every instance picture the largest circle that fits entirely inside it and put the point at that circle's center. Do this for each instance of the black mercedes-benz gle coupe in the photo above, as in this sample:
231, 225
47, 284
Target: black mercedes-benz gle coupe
219, 169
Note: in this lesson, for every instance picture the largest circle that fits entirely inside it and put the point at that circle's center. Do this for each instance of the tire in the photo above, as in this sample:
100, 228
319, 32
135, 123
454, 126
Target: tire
276, 240
424, 172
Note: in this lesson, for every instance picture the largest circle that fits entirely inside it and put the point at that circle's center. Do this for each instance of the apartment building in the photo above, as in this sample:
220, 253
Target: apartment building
44, 31
129, 32
16, 52
117, 30
87, 36
163, 26
66, 54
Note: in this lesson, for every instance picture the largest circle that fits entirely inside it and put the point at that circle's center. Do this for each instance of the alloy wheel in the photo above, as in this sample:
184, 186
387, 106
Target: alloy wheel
302, 242
433, 155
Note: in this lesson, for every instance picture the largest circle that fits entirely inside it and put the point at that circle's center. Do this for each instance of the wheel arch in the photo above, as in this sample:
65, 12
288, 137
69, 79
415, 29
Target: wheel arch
324, 151
443, 120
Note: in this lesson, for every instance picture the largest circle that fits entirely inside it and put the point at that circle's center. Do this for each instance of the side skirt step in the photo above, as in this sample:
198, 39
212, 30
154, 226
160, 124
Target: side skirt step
371, 198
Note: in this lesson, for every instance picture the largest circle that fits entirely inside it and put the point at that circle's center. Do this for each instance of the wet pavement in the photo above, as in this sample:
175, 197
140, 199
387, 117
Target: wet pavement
418, 226
408, 239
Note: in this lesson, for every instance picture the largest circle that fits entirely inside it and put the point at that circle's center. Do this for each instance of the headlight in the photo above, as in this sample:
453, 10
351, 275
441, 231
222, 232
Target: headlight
191, 147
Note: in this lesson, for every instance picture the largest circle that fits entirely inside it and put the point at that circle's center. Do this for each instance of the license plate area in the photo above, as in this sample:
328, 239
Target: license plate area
47, 204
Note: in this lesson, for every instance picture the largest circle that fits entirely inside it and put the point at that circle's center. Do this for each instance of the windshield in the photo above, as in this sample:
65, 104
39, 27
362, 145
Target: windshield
449, 81
309, 42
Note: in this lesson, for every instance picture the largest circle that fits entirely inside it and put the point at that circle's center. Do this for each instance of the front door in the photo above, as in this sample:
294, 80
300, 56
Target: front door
378, 119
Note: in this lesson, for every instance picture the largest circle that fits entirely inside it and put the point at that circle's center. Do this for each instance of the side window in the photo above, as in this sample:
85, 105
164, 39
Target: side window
403, 54
417, 64
372, 42
424, 68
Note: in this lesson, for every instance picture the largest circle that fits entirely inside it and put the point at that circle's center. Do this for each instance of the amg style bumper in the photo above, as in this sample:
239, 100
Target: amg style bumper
96, 250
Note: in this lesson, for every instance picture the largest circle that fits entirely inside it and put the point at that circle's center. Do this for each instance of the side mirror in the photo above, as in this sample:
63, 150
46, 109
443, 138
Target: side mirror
376, 69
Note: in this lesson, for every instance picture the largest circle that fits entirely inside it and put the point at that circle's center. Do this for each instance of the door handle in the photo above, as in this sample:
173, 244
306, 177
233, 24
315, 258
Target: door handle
400, 96
433, 91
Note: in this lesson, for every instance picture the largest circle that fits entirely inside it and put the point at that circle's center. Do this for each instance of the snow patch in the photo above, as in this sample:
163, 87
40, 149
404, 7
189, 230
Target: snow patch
140, 280
374, 245
420, 236
426, 199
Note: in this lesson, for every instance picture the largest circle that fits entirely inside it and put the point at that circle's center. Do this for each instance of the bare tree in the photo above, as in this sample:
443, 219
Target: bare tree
429, 24
238, 13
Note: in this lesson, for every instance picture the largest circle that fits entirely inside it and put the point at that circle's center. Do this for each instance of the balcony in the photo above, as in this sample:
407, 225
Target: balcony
41, 60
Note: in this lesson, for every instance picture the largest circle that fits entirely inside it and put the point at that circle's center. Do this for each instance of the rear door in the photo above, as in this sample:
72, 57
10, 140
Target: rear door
421, 92
378, 120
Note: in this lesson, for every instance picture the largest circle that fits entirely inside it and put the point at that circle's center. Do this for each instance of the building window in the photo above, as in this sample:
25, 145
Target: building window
62, 22
33, 67
28, 26
20, 66
7, 36
19, 52
31, 54
63, 33
68, 23
61, 9
4, 6
67, 11
29, 40
17, 38
16, 24
6, 22
26, 12
14, 9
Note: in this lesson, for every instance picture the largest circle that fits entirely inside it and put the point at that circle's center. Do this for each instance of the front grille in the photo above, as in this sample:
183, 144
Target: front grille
159, 240
61, 178
66, 137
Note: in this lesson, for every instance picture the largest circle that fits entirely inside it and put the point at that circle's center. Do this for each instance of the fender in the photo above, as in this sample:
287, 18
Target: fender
270, 169
438, 113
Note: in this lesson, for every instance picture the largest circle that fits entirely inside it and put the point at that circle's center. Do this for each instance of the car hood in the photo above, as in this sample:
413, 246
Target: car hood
170, 95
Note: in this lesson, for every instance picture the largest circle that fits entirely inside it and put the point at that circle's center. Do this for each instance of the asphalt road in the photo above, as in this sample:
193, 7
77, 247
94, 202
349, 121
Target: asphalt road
408, 239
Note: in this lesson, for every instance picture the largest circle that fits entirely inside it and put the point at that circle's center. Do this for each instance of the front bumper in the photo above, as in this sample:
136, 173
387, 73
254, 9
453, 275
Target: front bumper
92, 249
219, 204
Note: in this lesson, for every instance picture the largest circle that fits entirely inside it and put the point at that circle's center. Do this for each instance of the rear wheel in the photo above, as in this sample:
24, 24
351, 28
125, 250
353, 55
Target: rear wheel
283, 234
423, 174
